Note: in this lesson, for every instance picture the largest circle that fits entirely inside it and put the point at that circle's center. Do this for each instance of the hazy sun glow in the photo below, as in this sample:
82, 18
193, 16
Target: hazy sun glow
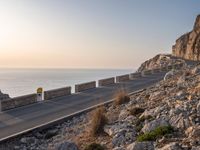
89, 34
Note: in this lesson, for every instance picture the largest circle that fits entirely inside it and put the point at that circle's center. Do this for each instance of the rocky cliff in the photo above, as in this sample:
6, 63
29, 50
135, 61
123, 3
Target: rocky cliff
188, 45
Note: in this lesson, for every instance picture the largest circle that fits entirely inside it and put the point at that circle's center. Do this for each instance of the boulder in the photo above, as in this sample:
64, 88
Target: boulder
124, 137
112, 130
122, 133
154, 124
141, 146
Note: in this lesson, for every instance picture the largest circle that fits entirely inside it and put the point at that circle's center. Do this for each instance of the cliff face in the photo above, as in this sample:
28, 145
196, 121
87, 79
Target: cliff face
188, 45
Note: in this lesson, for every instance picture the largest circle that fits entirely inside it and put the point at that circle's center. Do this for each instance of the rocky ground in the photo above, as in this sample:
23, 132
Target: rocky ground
165, 116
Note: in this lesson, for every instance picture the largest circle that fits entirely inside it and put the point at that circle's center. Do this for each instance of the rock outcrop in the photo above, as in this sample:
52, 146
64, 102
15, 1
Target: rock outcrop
3, 96
159, 61
188, 45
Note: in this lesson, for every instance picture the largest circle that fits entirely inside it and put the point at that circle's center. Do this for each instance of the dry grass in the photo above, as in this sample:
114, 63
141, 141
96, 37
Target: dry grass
98, 120
121, 97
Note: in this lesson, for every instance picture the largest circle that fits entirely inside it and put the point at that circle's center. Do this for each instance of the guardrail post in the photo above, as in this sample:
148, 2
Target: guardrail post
85, 86
40, 94
135, 75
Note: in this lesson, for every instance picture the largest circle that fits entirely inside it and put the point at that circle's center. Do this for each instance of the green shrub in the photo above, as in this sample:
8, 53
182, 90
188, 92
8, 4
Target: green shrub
98, 120
94, 146
153, 135
121, 97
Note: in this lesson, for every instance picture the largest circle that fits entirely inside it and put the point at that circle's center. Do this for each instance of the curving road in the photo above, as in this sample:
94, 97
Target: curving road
21, 119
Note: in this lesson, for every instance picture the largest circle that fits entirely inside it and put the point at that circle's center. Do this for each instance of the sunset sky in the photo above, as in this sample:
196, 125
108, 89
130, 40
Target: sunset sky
90, 33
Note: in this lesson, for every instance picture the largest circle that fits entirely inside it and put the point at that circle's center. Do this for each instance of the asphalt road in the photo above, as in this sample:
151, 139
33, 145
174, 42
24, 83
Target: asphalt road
23, 118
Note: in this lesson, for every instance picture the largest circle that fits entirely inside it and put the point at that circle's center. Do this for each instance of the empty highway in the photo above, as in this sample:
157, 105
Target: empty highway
24, 118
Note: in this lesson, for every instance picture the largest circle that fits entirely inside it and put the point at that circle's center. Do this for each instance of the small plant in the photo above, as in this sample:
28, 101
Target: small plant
98, 120
94, 146
136, 110
121, 98
153, 135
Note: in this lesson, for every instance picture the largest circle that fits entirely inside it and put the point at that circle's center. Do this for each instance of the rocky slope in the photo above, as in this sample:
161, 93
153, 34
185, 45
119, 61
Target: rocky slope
188, 45
3, 96
165, 116
159, 61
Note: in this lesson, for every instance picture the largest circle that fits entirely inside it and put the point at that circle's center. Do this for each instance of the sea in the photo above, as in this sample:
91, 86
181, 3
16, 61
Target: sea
18, 82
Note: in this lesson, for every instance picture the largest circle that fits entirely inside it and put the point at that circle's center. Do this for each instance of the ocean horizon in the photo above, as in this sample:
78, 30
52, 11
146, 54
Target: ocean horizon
22, 81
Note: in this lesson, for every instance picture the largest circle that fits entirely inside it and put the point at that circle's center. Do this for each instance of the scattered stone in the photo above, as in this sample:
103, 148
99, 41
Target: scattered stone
67, 146
171, 146
141, 146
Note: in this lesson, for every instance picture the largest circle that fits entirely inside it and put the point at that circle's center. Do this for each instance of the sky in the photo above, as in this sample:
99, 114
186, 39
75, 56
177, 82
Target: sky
90, 33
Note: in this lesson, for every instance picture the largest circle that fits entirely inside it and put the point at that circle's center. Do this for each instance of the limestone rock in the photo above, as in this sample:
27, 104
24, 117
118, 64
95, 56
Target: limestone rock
141, 146
188, 45
122, 133
171, 146
154, 124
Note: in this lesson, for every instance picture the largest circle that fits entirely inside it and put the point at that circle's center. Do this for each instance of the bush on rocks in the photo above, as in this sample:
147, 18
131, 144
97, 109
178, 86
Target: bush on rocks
98, 120
121, 98
94, 146
153, 135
